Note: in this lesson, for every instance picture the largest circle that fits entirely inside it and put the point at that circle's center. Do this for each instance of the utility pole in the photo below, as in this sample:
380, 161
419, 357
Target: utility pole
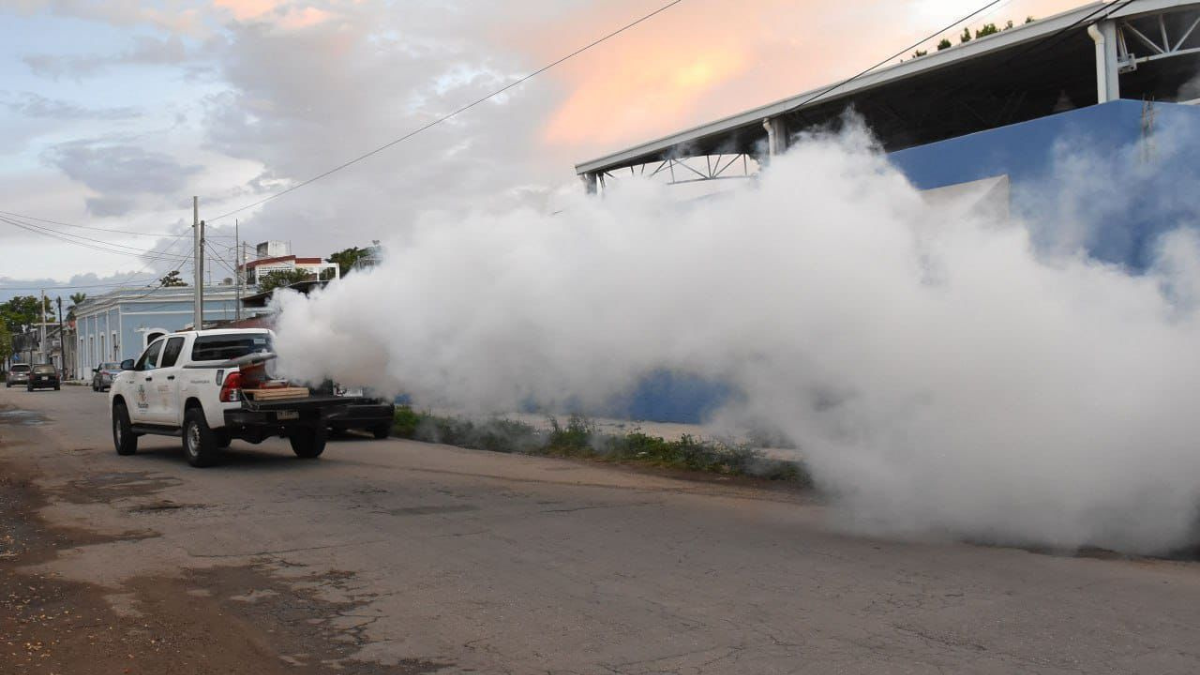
198, 265
237, 266
62, 338
42, 310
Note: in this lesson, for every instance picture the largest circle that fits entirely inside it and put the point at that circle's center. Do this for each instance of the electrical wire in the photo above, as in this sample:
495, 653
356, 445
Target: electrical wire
104, 229
97, 244
902, 52
86, 227
1050, 41
453, 114
117, 284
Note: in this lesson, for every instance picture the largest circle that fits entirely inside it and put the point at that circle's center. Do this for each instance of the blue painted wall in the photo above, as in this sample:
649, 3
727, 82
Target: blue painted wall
133, 318
1091, 172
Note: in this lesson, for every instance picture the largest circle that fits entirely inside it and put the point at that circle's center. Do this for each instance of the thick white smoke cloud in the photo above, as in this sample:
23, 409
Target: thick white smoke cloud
937, 373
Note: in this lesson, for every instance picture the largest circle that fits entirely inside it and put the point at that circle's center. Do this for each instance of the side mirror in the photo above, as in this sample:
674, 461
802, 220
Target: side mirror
95, 370
127, 364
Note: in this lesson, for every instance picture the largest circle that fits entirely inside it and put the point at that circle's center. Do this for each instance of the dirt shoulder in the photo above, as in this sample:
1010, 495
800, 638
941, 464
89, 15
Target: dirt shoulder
199, 622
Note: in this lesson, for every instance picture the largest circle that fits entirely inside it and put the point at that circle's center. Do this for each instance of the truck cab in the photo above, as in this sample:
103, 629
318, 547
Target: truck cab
190, 384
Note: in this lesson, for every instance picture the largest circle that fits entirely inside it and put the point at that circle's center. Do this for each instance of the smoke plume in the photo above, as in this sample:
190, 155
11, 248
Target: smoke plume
938, 373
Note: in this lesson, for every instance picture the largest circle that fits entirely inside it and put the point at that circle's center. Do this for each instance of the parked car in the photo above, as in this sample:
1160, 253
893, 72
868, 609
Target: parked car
212, 387
43, 376
17, 374
102, 377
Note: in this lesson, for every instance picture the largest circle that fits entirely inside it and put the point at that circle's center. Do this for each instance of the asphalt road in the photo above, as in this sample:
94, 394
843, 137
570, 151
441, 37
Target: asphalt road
469, 561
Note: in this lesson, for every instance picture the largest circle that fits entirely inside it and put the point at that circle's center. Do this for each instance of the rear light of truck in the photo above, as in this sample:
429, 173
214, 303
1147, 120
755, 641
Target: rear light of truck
231, 390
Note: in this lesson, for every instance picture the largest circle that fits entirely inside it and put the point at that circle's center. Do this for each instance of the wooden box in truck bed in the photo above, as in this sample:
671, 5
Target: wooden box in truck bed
276, 393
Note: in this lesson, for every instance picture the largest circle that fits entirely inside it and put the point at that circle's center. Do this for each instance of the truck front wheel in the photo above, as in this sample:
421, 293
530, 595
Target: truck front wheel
123, 437
308, 443
199, 442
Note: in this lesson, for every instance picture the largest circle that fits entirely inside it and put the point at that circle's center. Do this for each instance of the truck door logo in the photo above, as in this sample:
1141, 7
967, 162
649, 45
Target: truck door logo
141, 397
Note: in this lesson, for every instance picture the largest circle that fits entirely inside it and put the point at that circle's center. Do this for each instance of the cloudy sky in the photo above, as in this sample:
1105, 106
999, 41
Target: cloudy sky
113, 113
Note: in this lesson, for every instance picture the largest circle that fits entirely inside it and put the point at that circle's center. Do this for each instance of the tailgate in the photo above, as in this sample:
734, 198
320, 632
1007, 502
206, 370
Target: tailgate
302, 404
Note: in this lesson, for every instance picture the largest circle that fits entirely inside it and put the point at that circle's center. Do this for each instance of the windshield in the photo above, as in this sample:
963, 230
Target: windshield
226, 347
44, 370
20, 369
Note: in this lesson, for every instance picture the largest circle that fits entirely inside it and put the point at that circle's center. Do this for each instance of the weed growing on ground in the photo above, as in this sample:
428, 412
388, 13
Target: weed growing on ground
580, 438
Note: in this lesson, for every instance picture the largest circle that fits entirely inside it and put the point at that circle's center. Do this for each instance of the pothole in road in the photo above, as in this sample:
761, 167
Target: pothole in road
106, 487
164, 505
16, 417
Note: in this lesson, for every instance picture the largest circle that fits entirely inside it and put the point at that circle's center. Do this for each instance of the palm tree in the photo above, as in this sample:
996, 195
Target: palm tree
76, 298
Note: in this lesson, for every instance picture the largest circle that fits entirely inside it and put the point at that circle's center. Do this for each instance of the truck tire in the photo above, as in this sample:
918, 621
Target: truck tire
199, 442
308, 443
382, 431
123, 437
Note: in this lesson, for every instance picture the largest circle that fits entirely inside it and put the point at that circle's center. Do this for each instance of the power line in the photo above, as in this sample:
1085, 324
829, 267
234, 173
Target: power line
86, 227
1053, 39
116, 284
97, 244
105, 229
453, 114
839, 85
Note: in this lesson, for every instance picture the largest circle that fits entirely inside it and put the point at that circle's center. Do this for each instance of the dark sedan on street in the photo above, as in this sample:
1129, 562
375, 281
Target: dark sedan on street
17, 374
43, 376
102, 377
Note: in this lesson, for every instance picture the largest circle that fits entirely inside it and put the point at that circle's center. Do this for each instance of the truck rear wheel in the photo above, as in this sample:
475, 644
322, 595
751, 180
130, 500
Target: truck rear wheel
382, 431
308, 443
199, 441
123, 437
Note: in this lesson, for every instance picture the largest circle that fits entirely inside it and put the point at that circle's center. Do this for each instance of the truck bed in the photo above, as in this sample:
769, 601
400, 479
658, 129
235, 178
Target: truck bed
302, 404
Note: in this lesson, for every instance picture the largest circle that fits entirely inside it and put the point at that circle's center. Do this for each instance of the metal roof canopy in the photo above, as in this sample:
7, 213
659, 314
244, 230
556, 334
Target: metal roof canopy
992, 81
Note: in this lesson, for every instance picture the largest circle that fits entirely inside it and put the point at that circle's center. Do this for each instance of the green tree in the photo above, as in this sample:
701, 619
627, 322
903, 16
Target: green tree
919, 53
21, 312
283, 278
346, 258
1030, 19
76, 299
988, 29
172, 280
6, 343
944, 44
965, 37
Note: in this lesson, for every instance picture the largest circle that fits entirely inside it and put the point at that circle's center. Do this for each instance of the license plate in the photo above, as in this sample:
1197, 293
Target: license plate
287, 415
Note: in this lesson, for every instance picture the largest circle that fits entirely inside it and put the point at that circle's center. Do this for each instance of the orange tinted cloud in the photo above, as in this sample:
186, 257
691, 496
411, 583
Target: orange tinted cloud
705, 59
284, 14
248, 9
635, 90
303, 18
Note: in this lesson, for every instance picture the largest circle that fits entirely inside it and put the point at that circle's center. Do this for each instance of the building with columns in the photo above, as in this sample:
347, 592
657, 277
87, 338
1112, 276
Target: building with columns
118, 325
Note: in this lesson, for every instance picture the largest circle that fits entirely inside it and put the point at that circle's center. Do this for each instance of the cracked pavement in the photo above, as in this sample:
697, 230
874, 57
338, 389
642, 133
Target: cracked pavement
474, 562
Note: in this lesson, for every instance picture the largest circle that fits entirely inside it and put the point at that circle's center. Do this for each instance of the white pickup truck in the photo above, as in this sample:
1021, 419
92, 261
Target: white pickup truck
190, 384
